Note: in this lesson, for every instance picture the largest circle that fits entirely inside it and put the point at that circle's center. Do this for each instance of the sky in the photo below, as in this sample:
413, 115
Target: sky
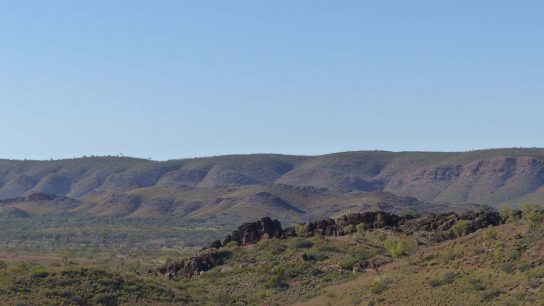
174, 79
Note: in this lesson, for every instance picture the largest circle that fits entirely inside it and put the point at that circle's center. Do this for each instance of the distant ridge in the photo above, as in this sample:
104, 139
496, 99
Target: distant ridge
492, 177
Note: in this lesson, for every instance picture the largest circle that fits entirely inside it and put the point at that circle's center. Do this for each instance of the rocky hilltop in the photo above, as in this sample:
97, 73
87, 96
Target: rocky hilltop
428, 229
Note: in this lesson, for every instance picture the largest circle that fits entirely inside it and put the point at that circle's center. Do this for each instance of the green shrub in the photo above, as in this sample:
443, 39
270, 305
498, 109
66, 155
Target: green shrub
398, 248
360, 228
303, 244
347, 264
490, 233
39, 273
523, 265
513, 254
506, 213
109, 283
507, 267
327, 247
428, 257
449, 277
461, 227
435, 283
377, 287
478, 250
302, 230
105, 299
349, 229
232, 245
449, 256
490, 294
476, 284
533, 217
533, 283
277, 248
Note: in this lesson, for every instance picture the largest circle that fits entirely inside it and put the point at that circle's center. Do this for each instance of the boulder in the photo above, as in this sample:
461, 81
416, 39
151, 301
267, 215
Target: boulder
253, 232
372, 263
192, 266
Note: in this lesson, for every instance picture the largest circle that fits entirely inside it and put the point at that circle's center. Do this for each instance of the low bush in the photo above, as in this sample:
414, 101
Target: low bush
347, 264
449, 256
303, 244
377, 287
507, 267
476, 284
490, 234
490, 294
449, 277
435, 282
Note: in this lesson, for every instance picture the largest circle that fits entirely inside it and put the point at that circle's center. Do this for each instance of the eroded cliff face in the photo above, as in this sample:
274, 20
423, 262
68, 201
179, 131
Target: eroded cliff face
486, 181
484, 177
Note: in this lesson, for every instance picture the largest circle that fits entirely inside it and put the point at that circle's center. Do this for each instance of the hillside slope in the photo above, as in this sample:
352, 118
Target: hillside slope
338, 264
489, 177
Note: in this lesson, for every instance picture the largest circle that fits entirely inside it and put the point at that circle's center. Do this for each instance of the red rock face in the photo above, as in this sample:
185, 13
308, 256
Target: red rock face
482, 181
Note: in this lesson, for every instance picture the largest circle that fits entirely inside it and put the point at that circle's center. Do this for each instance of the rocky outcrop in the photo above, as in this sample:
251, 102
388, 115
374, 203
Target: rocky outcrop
12, 200
34, 197
371, 220
192, 266
253, 232
435, 227
440, 226
41, 196
346, 224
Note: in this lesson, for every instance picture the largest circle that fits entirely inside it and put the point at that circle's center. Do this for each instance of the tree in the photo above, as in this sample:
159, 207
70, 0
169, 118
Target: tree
533, 217
461, 227
302, 229
382, 237
360, 228
400, 247
506, 213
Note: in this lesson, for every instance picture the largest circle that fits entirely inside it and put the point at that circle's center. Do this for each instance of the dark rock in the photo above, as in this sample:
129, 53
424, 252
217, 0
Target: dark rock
193, 266
439, 226
305, 257
289, 232
253, 232
325, 227
216, 244
372, 263
12, 200
41, 196
370, 220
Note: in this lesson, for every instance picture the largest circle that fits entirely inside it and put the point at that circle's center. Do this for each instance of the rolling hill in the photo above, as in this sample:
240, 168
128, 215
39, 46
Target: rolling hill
492, 177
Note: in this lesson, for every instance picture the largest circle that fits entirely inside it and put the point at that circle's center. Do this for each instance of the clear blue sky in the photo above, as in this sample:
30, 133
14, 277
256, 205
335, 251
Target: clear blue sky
170, 79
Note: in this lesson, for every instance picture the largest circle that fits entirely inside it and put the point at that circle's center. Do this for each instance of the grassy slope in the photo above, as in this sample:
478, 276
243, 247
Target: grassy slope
468, 271
472, 270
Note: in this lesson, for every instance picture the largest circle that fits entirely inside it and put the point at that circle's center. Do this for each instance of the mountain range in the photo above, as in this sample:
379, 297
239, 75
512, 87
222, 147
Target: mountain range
491, 177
